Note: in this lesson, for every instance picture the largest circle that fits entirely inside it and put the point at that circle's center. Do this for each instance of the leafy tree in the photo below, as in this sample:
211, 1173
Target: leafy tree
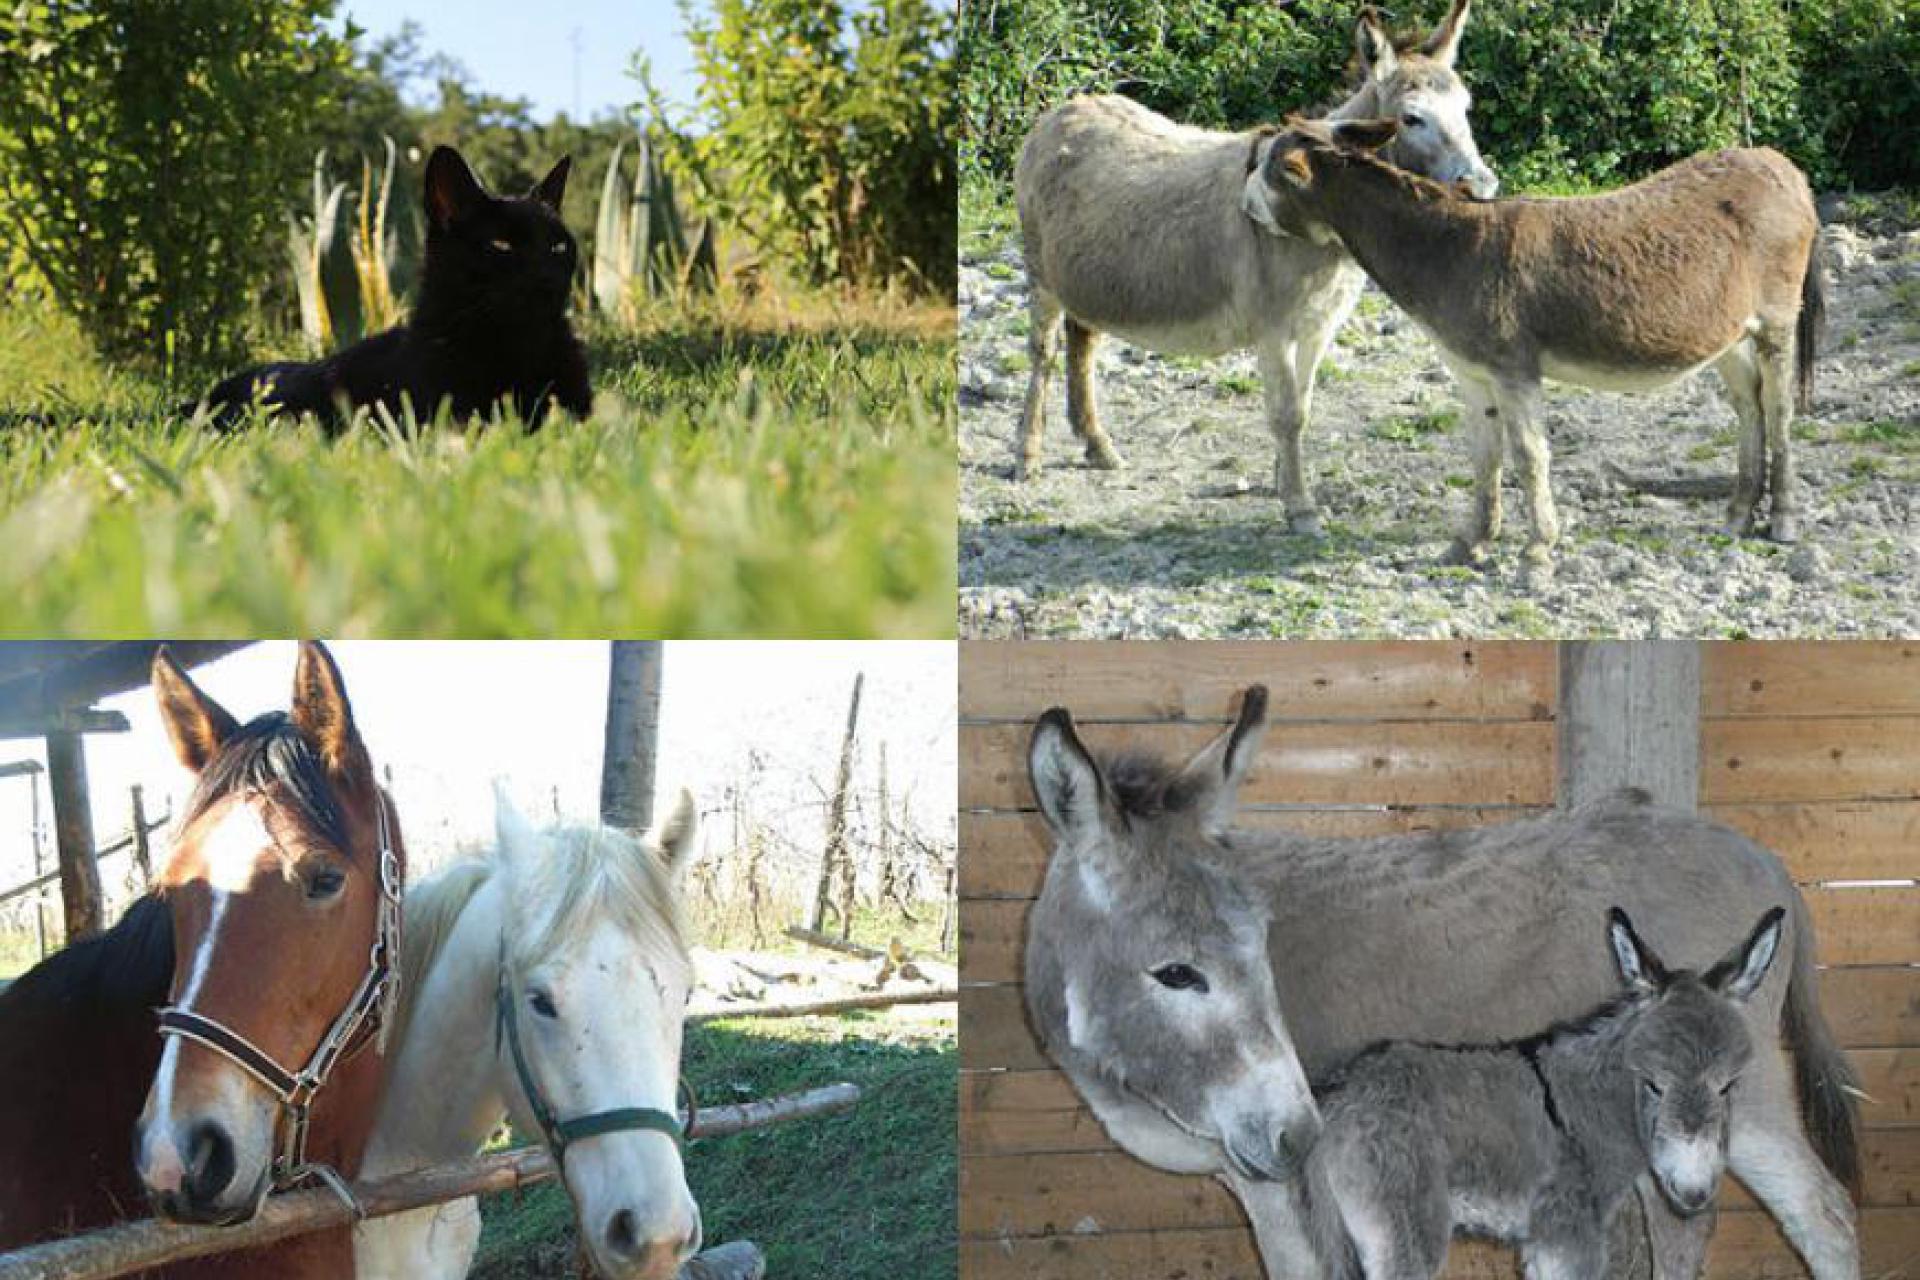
823, 130
147, 155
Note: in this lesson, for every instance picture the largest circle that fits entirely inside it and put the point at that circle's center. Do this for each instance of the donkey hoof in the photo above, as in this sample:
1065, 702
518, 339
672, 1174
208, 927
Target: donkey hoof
1474, 555
1103, 457
1305, 524
1536, 569
1785, 527
1026, 469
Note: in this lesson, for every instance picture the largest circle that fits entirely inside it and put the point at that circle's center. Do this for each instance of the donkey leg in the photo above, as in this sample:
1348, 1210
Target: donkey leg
1286, 400
1776, 404
1741, 376
1043, 339
1520, 407
1083, 406
1279, 1228
1319, 318
1475, 545
1678, 1245
1768, 1151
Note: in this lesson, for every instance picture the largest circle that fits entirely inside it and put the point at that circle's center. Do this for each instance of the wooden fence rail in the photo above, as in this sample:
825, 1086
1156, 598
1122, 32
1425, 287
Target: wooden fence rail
135, 1246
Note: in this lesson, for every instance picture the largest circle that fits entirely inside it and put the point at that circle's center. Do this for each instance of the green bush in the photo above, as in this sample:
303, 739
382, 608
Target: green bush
824, 131
1568, 92
146, 155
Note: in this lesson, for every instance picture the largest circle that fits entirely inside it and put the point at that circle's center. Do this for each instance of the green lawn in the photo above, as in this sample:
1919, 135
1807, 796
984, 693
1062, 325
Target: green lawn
868, 1194
742, 476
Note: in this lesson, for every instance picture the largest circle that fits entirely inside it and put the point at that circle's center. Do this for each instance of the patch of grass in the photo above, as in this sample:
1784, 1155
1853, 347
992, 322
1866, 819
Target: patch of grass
1014, 361
1893, 434
864, 1195
988, 219
739, 461
1415, 429
1703, 452
1525, 619
1240, 384
1458, 480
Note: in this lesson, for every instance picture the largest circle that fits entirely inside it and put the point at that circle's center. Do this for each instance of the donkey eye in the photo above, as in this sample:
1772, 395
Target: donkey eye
559, 246
1181, 977
324, 883
1412, 119
1727, 1088
542, 1004
500, 246
1653, 1090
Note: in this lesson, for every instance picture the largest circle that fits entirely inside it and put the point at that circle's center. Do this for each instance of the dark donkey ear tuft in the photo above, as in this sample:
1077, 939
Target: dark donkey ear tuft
196, 723
1213, 777
1443, 46
324, 716
452, 190
1639, 967
551, 189
1740, 973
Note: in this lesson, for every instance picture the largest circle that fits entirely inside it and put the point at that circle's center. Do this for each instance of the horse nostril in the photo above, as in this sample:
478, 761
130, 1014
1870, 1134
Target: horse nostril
210, 1164
622, 1239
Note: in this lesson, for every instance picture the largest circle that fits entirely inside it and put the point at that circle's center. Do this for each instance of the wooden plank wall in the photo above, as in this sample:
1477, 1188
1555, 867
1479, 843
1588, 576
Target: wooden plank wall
1813, 749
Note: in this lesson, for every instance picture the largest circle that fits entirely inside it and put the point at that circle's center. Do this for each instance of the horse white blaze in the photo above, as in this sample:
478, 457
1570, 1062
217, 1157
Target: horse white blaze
616, 1043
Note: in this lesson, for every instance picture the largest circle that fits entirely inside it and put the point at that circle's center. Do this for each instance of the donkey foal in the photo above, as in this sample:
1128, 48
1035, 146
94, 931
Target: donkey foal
1535, 1142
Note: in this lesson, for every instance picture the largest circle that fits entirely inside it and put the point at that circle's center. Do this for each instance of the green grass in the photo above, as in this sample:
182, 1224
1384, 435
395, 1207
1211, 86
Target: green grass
1416, 428
868, 1194
744, 474
1888, 433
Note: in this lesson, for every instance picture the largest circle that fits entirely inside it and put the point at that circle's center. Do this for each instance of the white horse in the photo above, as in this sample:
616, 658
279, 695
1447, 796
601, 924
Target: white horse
565, 948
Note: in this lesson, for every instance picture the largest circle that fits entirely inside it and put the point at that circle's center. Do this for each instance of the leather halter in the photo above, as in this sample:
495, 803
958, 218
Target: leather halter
365, 1012
561, 1134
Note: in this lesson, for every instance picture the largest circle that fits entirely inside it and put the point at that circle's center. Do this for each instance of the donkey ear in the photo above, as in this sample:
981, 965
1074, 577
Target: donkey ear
452, 190
1741, 972
1373, 47
550, 189
1443, 46
1640, 968
196, 723
324, 716
677, 834
1216, 773
1067, 782
1366, 135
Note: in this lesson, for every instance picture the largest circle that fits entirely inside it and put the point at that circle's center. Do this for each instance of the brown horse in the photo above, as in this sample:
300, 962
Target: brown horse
274, 906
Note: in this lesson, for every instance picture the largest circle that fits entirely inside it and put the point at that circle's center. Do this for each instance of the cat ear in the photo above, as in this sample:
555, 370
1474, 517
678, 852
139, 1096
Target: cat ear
452, 190
551, 188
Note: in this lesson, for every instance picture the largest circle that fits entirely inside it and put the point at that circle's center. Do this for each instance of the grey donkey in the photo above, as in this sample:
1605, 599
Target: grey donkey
1440, 936
1132, 225
1535, 1142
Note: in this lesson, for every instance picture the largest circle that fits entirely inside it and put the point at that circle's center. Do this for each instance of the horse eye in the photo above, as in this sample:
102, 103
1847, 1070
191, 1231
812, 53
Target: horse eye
542, 1004
324, 883
500, 246
1412, 119
1181, 977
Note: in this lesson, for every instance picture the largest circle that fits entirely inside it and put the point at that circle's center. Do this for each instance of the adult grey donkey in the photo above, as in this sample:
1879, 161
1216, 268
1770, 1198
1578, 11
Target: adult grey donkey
1445, 937
1536, 1142
1132, 225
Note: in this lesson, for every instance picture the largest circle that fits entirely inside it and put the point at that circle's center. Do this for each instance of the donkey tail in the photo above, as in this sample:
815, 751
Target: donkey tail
1326, 1225
1813, 319
1826, 1083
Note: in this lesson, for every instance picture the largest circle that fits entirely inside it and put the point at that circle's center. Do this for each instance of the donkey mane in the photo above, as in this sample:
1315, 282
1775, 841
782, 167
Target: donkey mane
269, 753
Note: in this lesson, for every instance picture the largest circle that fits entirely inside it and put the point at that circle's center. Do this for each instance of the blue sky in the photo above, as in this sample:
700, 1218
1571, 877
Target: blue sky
526, 48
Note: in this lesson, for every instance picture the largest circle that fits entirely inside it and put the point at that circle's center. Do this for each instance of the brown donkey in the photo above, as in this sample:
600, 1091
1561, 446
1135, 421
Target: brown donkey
1710, 261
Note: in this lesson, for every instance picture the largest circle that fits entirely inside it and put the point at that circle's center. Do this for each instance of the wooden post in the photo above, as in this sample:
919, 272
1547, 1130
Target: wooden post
1629, 717
73, 834
39, 865
837, 817
142, 851
633, 734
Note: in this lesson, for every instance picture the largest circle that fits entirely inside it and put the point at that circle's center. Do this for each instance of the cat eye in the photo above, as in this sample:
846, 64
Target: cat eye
500, 246
1181, 977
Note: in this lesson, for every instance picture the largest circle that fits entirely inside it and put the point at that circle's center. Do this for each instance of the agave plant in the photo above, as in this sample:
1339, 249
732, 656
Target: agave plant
640, 239
375, 248
308, 242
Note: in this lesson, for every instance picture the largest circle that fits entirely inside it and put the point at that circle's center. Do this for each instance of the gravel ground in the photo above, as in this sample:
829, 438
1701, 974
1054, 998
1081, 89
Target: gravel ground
1189, 540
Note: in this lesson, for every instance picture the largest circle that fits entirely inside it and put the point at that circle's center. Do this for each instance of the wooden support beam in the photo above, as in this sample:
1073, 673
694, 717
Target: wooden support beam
633, 734
137, 1246
826, 941
73, 835
1629, 717
66, 720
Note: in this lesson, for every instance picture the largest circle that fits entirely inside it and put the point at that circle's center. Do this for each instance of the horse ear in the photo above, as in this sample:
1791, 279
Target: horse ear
1373, 47
1740, 973
1443, 46
324, 716
677, 834
551, 189
1066, 781
1639, 967
452, 190
1365, 135
196, 723
511, 830
1217, 772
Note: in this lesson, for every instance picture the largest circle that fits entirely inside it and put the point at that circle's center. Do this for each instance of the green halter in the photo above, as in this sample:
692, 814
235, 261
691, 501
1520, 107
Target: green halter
561, 1134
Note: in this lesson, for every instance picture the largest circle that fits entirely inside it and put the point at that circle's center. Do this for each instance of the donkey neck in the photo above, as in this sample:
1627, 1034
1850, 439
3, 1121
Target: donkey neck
1592, 1095
445, 1091
1416, 244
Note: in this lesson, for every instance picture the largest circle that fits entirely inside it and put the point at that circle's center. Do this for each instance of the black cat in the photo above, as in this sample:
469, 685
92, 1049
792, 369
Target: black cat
490, 323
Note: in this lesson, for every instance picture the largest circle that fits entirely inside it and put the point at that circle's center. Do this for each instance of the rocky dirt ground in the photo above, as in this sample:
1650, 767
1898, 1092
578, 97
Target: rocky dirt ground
1189, 539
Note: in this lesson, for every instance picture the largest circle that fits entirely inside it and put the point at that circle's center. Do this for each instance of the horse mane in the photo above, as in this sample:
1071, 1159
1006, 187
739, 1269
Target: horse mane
432, 909
269, 753
130, 965
1146, 786
583, 875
